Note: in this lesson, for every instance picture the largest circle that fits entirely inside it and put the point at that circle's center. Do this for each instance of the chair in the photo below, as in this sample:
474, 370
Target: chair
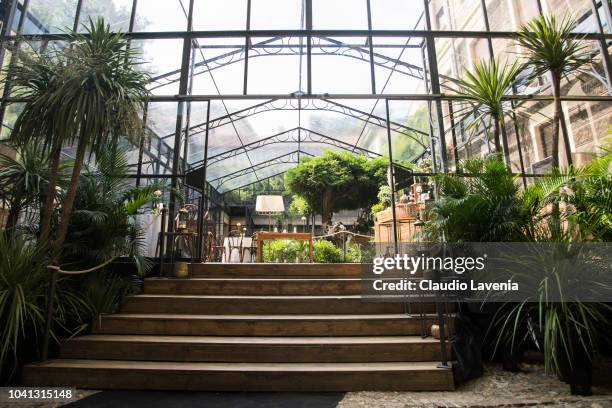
252, 249
235, 242
217, 249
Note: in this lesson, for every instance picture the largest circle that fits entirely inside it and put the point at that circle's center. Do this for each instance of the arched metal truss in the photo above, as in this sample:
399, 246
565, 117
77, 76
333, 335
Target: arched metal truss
307, 105
297, 135
291, 46
288, 158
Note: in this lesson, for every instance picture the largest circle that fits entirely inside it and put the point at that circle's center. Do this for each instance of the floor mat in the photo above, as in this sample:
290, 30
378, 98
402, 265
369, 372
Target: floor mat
170, 399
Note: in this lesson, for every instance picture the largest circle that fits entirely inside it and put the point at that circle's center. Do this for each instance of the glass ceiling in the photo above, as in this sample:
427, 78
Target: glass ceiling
282, 79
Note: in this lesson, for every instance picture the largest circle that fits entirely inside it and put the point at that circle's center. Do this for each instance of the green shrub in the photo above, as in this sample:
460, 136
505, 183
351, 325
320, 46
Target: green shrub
326, 252
285, 251
378, 207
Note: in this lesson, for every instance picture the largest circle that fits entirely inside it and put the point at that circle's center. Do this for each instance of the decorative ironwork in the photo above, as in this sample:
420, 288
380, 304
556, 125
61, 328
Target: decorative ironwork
308, 105
270, 47
294, 135
288, 158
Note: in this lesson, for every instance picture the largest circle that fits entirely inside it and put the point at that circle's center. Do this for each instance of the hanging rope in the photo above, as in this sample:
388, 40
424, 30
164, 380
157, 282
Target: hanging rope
57, 269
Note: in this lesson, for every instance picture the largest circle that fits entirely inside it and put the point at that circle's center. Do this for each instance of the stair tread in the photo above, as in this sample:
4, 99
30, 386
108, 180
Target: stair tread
262, 297
262, 279
264, 340
242, 367
264, 317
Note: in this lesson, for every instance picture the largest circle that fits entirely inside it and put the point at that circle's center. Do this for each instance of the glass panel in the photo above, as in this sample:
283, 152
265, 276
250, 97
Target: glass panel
339, 14
10, 116
218, 66
277, 65
161, 126
162, 59
115, 12
49, 16
397, 15
340, 65
510, 15
534, 127
169, 15
277, 14
458, 15
398, 65
578, 9
455, 55
211, 15
410, 130
196, 114
588, 126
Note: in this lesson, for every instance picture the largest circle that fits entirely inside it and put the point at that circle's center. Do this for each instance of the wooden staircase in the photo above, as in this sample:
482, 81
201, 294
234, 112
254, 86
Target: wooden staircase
253, 327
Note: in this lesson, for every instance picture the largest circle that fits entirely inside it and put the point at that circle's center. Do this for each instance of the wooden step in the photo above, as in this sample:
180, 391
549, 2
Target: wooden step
254, 286
276, 270
106, 374
253, 349
194, 304
263, 325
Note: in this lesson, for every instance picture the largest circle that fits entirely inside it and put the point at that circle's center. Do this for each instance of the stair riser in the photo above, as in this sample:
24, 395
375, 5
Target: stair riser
398, 380
177, 305
221, 327
246, 288
250, 353
285, 271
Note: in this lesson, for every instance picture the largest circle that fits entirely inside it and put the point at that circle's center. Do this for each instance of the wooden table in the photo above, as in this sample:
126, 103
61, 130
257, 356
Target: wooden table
271, 236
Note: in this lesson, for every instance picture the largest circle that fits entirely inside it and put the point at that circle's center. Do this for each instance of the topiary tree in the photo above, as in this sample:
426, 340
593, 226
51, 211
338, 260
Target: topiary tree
337, 180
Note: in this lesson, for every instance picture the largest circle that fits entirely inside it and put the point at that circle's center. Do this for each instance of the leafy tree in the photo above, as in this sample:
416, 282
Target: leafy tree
337, 180
90, 95
551, 49
300, 206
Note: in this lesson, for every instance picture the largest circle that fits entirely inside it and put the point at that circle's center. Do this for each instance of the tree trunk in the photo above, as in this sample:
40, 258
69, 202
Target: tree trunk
14, 210
47, 211
504, 142
556, 85
68, 203
498, 148
327, 207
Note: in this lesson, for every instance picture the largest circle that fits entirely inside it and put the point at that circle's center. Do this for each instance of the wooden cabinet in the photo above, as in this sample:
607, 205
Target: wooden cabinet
406, 215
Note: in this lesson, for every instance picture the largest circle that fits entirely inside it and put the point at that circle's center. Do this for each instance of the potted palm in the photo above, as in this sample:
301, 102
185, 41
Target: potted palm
566, 327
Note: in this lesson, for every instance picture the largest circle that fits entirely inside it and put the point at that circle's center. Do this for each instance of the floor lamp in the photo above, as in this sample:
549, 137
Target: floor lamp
269, 205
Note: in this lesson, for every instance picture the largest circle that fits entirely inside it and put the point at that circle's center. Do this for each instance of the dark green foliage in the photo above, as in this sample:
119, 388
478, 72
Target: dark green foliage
484, 206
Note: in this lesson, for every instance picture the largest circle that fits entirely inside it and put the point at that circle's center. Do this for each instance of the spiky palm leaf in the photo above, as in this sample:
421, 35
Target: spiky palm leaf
484, 88
551, 47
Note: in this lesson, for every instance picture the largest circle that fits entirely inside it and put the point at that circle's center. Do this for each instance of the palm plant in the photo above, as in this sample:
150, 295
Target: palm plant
484, 89
24, 179
104, 223
35, 76
96, 96
23, 297
552, 50
483, 205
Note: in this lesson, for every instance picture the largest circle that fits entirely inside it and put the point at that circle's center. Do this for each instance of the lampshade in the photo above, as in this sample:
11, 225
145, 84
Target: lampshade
269, 204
